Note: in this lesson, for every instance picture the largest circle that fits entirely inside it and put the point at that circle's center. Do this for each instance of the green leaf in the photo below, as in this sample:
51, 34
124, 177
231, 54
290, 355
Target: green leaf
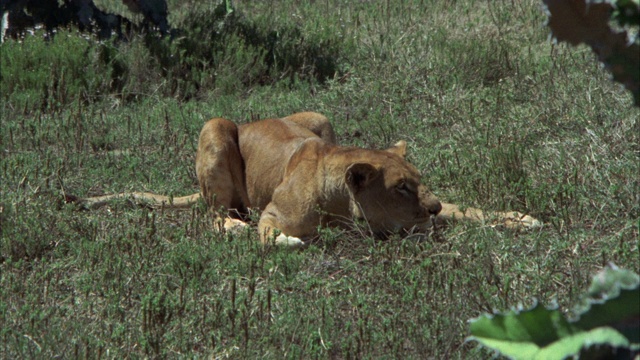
609, 281
510, 349
608, 325
521, 334
613, 301
537, 325
573, 344
587, 21
561, 348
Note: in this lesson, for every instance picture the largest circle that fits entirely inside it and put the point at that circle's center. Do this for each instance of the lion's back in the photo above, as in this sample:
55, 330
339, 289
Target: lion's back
266, 147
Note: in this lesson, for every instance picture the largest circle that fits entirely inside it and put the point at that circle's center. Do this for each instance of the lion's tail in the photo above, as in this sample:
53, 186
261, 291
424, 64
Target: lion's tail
141, 198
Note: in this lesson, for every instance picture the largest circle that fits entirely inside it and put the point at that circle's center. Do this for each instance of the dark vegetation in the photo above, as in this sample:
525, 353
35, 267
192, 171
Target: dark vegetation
22, 16
495, 114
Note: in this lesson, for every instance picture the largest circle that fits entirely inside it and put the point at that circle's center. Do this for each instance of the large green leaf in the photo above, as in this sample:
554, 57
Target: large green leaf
588, 22
521, 334
613, 300
572, 345
537, 326
608, 324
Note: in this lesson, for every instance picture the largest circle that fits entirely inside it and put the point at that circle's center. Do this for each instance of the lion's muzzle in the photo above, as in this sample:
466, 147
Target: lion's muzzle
432, 205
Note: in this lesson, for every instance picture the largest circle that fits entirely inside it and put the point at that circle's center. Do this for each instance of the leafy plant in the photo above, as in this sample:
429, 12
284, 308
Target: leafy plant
607, 325
588, 22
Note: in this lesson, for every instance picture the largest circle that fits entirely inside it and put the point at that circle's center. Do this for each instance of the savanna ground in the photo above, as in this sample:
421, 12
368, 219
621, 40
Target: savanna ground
495, 115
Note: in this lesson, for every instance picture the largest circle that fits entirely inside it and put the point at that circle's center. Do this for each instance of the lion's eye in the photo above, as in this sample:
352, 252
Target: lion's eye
403, 188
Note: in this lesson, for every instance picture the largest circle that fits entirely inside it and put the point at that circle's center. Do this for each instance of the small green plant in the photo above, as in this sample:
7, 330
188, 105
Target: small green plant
606, 325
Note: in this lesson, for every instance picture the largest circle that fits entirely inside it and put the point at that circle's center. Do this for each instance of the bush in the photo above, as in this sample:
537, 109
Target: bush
216, 48
36, 73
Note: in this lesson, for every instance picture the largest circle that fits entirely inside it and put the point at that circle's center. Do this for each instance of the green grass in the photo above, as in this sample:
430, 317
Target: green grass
495, 116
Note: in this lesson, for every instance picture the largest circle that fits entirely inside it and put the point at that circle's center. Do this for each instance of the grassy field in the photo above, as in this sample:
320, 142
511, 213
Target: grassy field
495, 115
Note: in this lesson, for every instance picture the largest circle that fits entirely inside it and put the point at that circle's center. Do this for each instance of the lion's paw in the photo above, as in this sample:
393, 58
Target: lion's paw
289, 241
234, 225
516, 220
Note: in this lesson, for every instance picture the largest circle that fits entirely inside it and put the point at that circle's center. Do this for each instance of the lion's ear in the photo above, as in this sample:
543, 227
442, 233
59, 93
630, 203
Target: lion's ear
359, 175
400, 148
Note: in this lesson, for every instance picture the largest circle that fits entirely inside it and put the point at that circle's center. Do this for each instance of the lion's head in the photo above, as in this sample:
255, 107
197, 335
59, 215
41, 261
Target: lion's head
386, 191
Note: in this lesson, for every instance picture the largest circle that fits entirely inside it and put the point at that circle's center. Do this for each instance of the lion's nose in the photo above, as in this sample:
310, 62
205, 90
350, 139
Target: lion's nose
429, 202
433, 206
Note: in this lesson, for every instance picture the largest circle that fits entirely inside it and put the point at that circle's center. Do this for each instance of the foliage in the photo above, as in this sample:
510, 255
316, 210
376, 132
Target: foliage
588, 22
53, 78
248, 52
607, 326
216, 47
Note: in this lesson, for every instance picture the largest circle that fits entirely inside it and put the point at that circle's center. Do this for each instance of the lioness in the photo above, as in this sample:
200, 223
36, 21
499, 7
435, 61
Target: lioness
293, 170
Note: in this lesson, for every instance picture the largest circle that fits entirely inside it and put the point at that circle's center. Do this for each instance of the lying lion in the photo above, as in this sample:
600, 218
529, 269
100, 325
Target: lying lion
292, 170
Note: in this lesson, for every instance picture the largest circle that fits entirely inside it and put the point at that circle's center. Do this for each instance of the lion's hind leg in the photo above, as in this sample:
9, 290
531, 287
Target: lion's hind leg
317, 123
219, 167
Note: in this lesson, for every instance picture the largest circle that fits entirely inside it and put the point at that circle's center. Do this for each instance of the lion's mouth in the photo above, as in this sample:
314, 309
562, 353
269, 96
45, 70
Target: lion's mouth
415, 225
420, 223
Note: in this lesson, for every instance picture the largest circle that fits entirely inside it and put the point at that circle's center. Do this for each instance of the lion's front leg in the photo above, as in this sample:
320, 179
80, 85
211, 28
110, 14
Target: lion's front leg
510, 219
287, 225
515, 220
233, 225
271, 232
